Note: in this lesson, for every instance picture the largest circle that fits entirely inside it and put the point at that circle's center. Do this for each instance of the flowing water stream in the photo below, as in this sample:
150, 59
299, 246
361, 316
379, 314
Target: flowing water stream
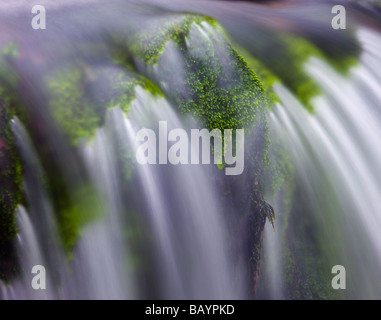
170, 232
335, 152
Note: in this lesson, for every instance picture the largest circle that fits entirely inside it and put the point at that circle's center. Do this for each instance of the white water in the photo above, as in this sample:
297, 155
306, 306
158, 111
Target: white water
192, 229
336, 154
168, 238
187, 237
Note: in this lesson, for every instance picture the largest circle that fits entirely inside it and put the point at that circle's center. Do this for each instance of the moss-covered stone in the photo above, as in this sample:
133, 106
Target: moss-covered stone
206, 77
80, 95
78, 98
83, 208
221, 101
10, 186
297, 52
219, 88
8, 52
266, 77
307, 276
149, 43
285, 57
11, 194
280, 172
74, 113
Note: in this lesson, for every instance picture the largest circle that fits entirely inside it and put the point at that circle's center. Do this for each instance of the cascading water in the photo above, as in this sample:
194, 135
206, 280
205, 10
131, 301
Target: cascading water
188, 237
106, 227
335, 153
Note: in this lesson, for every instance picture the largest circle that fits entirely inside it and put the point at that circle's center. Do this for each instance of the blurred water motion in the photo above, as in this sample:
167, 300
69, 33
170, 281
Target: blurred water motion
184, 232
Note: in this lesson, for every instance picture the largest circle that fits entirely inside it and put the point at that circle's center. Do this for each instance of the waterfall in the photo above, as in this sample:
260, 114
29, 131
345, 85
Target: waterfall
104, 226
335, 153
185, 240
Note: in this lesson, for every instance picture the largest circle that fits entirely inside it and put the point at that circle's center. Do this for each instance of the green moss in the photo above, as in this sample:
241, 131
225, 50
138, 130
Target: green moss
82, 208
149, 43
285, 57
307, 256
10, 50
307, 276
73, 197
266, 77
80, 95
11, 194
10, 184
221, 101
296, 52
73, 111
214, 84
281, 169
303, 254
117, 87
220, 89
206, 78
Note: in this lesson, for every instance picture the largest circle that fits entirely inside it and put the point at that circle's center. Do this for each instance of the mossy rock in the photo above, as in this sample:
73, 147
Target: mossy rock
217, 85
149, 43
10, 187
79, 96
284, 59
11, 194
83, 208
219, 90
